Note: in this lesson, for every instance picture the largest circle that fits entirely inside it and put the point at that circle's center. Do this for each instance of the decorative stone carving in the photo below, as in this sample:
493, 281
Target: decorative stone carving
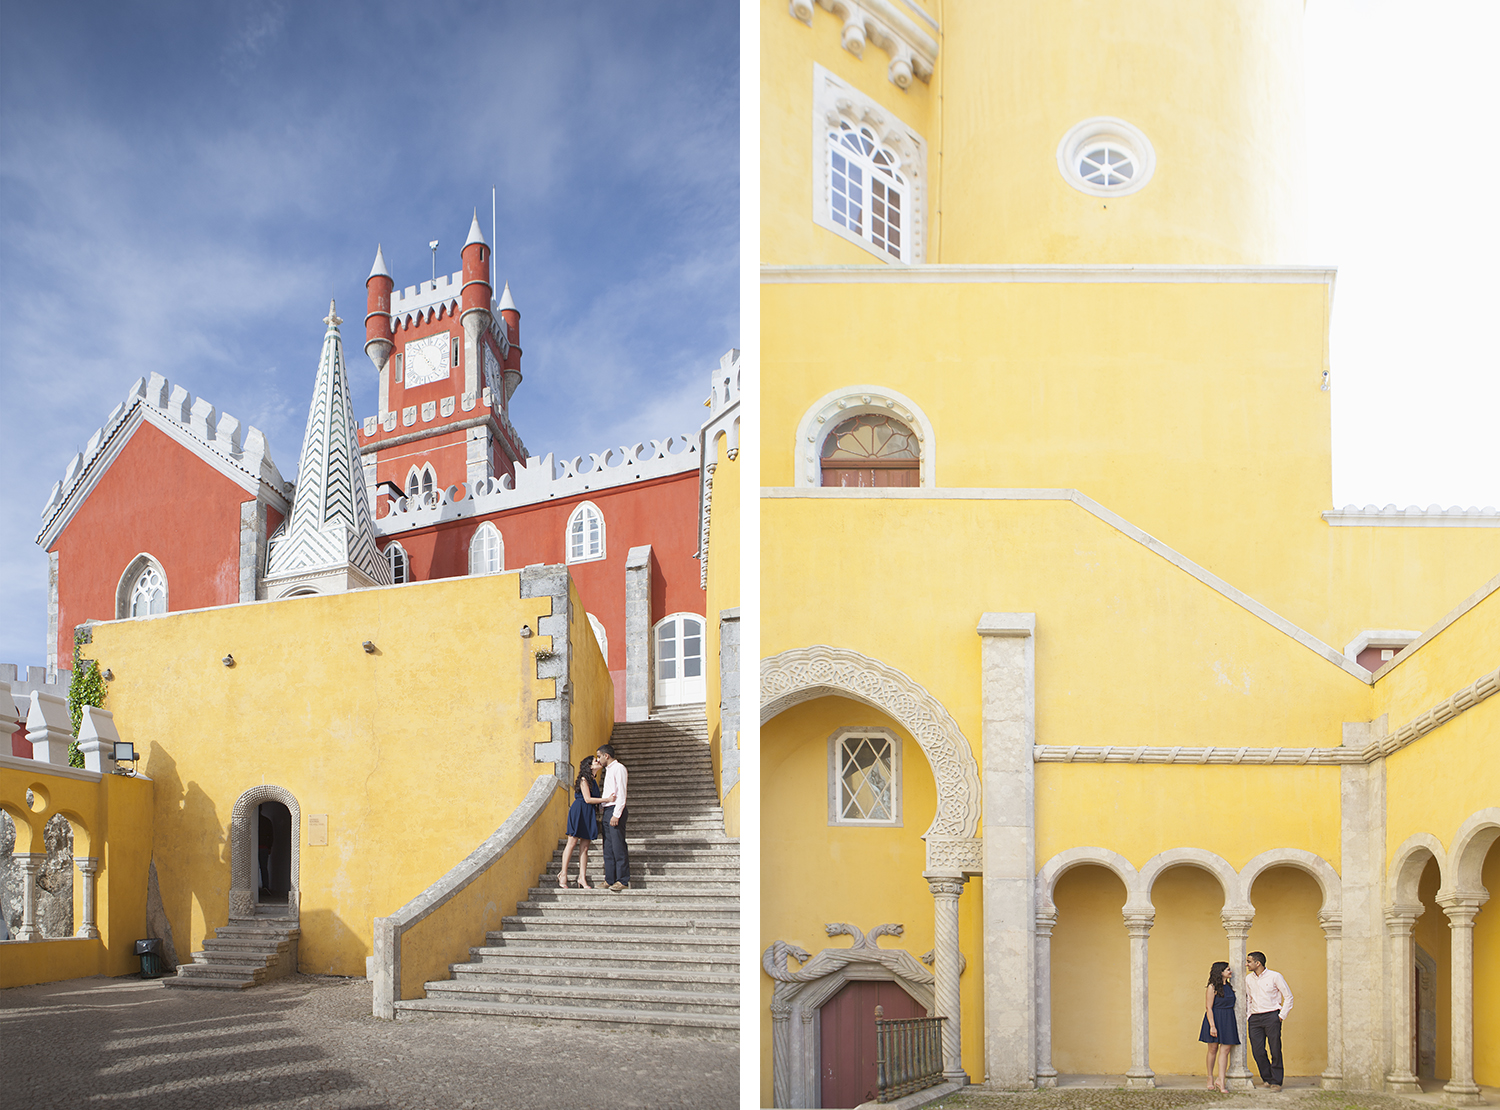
804, 674
833, 408
242, 848
911, 48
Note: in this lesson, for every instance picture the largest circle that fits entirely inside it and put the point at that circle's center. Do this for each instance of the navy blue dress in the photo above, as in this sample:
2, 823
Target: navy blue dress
1229, 1030
583, 820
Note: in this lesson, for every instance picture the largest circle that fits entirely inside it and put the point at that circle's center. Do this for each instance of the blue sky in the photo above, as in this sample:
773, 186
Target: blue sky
184, 185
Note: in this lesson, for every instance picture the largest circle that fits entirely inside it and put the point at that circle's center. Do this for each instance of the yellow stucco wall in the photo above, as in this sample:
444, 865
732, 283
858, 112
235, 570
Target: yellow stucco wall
111, 820
816, 873
415, 753
723, 592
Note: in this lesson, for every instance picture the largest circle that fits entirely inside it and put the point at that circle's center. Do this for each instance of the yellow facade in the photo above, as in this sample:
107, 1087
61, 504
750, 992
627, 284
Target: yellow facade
1106, 618
722, 593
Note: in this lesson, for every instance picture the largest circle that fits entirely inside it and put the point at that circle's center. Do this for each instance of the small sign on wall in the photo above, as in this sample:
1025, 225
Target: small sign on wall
317, 830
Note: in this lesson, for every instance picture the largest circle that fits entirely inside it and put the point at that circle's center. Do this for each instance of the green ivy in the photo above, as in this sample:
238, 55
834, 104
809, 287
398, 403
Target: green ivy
87, 688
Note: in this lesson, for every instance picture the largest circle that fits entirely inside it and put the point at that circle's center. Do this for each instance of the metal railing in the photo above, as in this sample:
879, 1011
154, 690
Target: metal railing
908, 1055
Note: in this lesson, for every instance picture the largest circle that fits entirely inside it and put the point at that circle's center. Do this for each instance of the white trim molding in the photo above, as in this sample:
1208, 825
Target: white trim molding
835, 101
958, 273
1413, 516
912, 51
832, 408
1107, 130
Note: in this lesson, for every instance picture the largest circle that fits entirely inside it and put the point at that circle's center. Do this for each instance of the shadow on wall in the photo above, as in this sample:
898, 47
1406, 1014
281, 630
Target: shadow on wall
190, 859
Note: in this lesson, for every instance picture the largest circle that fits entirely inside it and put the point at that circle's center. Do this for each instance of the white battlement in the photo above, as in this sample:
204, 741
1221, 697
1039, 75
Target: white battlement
1413, 516
542, 479
198, 419
435, 299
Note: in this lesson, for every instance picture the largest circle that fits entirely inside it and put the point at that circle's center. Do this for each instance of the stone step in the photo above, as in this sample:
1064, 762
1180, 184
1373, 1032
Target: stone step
699, 1026
543, 957
610, 906
572, 938
700, 1002
686, 868
619, 928
685, 894
519, 976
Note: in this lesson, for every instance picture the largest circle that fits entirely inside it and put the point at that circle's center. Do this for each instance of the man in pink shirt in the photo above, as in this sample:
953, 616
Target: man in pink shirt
616, 854
1269, 1002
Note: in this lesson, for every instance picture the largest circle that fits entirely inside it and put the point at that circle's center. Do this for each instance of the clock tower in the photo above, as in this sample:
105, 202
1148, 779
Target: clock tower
449, 360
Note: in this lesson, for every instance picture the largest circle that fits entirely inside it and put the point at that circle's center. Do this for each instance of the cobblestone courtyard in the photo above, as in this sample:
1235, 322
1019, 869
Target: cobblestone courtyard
310, 1042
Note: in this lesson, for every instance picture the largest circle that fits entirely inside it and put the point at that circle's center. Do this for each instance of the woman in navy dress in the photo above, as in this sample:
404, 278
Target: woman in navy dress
1220, 1029
583, 821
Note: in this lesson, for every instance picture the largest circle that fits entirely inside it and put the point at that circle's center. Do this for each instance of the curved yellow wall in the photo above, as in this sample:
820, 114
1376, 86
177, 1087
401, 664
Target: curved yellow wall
723, 592
415, 753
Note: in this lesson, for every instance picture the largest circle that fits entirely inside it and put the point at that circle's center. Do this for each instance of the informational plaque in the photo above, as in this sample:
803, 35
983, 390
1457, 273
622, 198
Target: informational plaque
317, 830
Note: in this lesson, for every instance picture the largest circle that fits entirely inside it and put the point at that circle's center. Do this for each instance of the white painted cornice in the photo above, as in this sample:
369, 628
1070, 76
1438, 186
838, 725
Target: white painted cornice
912, 50
1413, 516
1043, 273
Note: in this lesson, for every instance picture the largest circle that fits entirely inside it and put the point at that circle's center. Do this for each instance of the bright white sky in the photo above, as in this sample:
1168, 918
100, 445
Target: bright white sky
1403, 165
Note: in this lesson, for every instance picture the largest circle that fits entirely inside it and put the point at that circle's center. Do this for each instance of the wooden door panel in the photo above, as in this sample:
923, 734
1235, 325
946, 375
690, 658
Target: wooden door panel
847, 1069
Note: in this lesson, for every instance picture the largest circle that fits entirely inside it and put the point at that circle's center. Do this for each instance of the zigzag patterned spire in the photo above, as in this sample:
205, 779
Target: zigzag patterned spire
330, 525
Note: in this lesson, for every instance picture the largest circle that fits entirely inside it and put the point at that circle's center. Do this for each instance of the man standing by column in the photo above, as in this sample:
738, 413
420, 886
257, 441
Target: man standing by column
616, 855
1270, 1000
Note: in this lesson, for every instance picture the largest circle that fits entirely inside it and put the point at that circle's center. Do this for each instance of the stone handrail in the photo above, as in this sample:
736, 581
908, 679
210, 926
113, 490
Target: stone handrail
396, 959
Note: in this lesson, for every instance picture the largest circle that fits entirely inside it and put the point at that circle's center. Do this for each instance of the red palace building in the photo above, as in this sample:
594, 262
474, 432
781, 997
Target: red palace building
173, 505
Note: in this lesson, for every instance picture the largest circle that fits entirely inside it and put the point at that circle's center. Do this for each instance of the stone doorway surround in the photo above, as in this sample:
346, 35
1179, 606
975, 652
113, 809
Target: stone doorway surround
800, 995
244, 831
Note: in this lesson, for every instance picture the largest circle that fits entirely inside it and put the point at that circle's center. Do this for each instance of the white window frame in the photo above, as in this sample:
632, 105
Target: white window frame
135, 570
394, 550
425, 479
690, 686
836, 101
832, 409
482, 536
835, 777
1112, 132
599, 634
586, 555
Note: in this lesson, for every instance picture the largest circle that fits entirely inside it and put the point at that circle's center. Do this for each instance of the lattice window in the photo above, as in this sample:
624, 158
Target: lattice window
871, 449
585, 534
400, 566
864, 777
148, 595
868, 193
487, 550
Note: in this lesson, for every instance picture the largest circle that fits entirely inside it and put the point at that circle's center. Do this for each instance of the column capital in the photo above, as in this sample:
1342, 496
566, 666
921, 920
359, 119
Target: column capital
1237, 925
1462, 905
944, 885
1333, 924
1139, 924
1045, 921
87, 864
1402, 917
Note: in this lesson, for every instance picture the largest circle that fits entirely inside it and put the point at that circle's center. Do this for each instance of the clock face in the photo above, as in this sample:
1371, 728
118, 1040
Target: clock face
491, 371
427, 360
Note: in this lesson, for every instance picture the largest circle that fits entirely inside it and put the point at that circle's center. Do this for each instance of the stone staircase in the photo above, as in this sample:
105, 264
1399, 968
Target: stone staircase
243, 953
660, 957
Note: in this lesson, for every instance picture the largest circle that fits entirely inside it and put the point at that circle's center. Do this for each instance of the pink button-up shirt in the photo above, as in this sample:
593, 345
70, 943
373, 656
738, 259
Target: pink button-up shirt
615, 778
1268, 991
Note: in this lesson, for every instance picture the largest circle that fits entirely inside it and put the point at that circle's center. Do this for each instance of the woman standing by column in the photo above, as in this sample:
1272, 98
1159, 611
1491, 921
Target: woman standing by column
1220, 1031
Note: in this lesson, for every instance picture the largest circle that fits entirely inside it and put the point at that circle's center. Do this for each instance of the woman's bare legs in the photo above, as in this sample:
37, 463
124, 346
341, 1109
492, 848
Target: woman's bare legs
562, 876
1223, 1067
1208, 1065
583, 865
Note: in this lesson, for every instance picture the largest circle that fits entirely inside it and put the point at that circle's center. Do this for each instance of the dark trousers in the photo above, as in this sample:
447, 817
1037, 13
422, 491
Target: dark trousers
616, 854
1265, 1033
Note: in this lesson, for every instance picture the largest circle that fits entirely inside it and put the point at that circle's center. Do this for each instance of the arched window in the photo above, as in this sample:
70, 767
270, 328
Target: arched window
868, 194
869, 450
679, 660
421, 482
395, 555
585, 534
142, 591
486, 551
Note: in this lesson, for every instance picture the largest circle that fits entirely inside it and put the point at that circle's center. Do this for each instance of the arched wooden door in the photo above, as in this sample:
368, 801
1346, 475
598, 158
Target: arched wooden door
847, 1039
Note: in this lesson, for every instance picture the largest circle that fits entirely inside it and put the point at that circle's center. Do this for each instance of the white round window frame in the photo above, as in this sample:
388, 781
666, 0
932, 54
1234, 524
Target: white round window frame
833, 408
1106, 129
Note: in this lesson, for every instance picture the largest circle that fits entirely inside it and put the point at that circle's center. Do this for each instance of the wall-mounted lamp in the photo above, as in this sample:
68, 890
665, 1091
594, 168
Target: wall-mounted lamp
228, 660
369, 646
526, 632
109, 675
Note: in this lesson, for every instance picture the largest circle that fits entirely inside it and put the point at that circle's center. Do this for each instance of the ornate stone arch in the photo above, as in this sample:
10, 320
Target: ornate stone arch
133, 571
1234, 899
242, 834
1065, 861
793, 677
1470, 845
832, 408
1316, 866
1407, 866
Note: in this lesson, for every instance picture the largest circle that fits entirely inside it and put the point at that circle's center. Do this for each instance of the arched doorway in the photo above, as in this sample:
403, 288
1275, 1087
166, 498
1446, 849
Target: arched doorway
265, 811
847, 1070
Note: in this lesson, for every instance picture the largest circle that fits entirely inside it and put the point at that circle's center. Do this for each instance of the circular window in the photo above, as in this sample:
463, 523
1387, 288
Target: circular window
1106, 157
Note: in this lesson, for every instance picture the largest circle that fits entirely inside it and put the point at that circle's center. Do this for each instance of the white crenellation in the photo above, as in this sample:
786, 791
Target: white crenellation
723, 420
1413, 516
196, 417
542, 479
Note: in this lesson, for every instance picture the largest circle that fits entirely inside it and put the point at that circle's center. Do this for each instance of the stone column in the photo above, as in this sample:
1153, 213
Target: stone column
1237, 927
729, 700
1140, 1076
88, 867
30, 863
1007, 663
1046, 1074
640, 673
807, 1078
1461, 908
781, 1054
1333, 935
1400, 920
1363, 943
945, 968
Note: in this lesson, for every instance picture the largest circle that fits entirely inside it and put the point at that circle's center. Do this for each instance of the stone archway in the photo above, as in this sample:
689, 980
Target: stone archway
243, 831
804, 674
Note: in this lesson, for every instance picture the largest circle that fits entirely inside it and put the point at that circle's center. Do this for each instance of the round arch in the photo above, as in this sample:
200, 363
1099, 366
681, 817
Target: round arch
803, 674
1316, 866
242, 833
1060, 864
853, 400
1470, 845
1212, 862
1408, 864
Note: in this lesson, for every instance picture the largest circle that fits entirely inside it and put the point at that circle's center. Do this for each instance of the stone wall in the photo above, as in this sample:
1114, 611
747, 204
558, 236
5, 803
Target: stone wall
54, 880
